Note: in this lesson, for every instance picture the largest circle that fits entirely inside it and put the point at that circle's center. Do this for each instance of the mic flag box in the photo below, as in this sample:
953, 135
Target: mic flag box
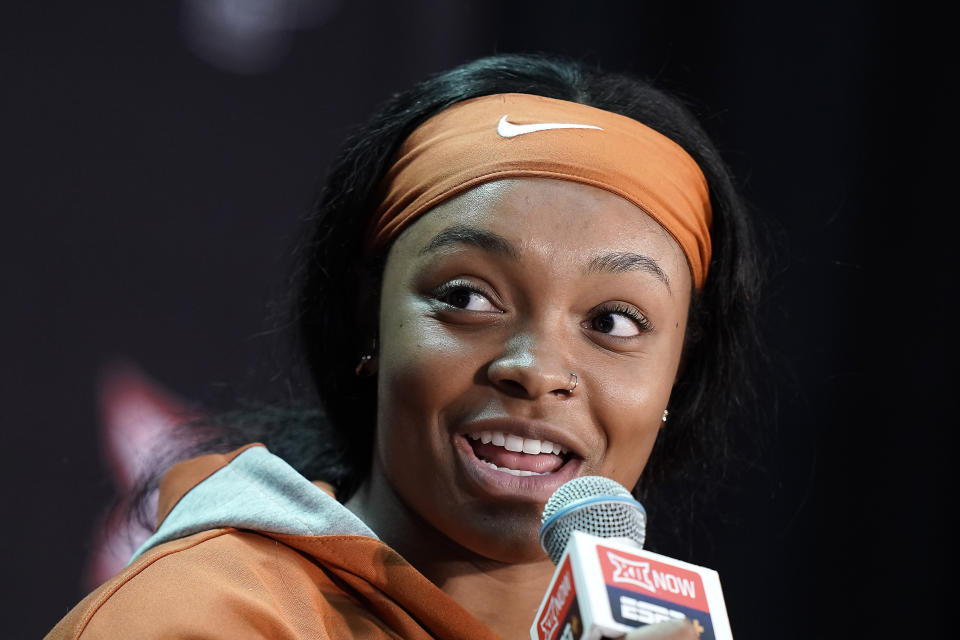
604, 587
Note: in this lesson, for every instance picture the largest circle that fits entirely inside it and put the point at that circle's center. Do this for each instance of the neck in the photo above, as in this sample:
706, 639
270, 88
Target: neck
504, 596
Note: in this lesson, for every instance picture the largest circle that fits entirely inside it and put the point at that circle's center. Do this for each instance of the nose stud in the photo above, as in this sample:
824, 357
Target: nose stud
576, 381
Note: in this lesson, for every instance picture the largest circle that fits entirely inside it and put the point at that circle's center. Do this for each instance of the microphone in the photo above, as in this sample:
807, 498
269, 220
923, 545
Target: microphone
606, 583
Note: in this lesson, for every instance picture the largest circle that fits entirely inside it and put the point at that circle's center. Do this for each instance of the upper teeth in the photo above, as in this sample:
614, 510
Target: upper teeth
515, 443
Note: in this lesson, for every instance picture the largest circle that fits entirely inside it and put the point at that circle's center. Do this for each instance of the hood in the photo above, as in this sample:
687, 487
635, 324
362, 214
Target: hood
249, 488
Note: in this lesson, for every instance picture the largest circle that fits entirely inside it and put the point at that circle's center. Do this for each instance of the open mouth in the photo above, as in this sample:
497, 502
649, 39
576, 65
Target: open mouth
516, 455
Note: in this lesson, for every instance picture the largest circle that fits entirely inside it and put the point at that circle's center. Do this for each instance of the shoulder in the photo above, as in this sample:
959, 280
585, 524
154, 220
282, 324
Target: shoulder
222, 583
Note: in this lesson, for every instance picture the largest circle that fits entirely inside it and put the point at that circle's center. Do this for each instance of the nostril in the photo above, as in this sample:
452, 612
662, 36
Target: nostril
512, 387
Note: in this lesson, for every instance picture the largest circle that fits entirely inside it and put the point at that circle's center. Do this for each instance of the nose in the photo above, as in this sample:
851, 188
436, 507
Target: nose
528, 368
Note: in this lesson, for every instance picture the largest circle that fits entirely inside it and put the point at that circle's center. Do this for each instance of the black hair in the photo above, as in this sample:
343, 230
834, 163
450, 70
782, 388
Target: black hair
330, 263
336, 443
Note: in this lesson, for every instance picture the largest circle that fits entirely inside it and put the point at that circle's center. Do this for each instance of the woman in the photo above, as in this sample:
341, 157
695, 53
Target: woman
521, 271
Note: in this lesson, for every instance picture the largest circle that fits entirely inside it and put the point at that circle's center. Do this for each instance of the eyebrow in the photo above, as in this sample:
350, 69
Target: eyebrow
610, 262
480, 238
623, 261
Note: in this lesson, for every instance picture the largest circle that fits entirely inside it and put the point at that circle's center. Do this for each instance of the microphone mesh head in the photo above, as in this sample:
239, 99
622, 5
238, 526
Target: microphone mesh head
592, 504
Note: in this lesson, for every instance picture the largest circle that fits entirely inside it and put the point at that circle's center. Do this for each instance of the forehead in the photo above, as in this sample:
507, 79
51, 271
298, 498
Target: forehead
552, 220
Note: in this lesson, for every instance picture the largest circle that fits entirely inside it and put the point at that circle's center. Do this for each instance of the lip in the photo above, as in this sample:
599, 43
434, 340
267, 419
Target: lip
528, 429
504, 485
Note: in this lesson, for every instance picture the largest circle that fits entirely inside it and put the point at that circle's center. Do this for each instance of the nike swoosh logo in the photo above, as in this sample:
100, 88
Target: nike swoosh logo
507, 129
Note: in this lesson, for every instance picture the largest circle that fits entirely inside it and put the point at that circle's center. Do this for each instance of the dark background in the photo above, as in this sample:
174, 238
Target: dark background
150, 193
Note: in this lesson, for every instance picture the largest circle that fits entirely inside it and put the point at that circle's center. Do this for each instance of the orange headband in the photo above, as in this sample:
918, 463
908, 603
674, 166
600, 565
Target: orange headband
516, 135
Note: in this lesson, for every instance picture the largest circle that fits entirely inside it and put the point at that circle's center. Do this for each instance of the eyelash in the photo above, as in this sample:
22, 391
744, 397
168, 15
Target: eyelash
460, 285
643, 323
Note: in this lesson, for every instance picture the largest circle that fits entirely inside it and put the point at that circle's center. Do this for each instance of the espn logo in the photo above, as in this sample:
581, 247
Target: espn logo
647, 612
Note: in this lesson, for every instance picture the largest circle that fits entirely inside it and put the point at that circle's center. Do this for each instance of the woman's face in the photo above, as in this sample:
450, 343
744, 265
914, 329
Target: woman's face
489, 303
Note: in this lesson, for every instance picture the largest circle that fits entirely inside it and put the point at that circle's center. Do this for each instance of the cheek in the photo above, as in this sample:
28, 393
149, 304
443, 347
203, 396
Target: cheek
422, 373
415, 354
632, 420
629, 403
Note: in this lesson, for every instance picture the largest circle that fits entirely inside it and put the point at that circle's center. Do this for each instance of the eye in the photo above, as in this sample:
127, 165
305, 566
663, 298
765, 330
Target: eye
620, 321
463, 295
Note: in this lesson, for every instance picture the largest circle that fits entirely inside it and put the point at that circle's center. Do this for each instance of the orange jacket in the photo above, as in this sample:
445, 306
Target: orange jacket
279, 571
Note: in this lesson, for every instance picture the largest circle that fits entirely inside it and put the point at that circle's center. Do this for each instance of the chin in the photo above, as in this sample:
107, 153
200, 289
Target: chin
509, 538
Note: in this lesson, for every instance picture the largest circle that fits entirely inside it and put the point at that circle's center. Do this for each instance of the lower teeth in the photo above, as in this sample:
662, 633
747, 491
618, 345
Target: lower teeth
513, 472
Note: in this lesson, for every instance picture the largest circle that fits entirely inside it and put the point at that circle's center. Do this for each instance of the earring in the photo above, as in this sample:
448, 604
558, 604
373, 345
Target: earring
361, 368
664, 418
